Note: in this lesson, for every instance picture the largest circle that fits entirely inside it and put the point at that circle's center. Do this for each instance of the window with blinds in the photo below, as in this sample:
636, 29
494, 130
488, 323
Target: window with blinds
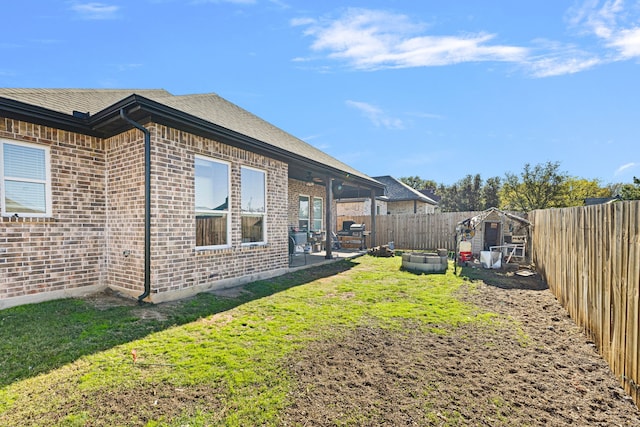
25, 183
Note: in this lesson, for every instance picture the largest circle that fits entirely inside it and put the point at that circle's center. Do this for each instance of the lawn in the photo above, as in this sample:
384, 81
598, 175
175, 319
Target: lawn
212, 359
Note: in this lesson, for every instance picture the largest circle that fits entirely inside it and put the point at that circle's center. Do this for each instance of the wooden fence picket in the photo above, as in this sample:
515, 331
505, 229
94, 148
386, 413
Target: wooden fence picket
590, 257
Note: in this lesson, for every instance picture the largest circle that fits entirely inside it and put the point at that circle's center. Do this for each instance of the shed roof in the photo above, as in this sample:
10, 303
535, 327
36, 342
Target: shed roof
477, 219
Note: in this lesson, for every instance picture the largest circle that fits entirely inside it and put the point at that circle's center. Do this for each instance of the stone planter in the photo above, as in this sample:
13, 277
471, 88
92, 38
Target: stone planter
426, 262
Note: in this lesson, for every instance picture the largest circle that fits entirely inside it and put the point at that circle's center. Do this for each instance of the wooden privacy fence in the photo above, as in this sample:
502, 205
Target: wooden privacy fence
414, 231
590, 257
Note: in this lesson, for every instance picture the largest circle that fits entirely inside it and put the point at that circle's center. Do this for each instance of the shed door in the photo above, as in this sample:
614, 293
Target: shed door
491, 234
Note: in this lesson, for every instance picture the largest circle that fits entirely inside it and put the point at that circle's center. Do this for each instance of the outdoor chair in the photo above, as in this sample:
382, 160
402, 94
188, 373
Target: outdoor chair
295, 251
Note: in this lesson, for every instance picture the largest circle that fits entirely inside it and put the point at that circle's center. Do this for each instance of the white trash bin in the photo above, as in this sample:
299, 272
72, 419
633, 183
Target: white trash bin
491, 259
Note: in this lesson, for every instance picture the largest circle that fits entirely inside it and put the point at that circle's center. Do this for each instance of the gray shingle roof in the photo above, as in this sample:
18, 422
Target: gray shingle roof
399, 191
209, 107
84, 100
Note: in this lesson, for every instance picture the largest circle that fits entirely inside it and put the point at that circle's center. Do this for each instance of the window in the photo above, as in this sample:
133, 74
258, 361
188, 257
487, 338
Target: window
317, 213
25, 183
303, 213
253, 205
211, 203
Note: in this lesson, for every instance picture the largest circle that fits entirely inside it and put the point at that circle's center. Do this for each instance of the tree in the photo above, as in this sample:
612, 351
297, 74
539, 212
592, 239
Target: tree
469, 194
631, 191
491, 192
449, 200
539, 187
578, 189
418, 183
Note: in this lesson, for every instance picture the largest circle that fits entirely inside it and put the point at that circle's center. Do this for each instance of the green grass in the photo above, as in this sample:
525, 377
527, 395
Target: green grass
63, 362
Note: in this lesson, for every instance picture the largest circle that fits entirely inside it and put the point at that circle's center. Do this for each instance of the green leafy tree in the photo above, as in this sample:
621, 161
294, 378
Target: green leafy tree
578, 189
491, 192
449, 200
539, 187
469, 194
631, 191
418, 183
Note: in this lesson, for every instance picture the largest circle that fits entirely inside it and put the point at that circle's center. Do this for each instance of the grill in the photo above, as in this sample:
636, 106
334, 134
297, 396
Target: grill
356, 230
353, 235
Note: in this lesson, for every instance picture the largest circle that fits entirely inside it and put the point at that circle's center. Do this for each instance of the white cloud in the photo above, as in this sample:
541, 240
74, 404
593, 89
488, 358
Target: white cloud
628, 43
366, 39
613, 22
95, 10
372, 39
559, 59
376, 115
558, 65
296, 22
625, 167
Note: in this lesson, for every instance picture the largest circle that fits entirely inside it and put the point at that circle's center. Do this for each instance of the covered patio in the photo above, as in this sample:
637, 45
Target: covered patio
300, 261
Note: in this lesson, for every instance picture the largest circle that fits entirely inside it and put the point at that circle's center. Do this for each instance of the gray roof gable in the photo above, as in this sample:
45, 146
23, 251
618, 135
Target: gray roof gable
399, 191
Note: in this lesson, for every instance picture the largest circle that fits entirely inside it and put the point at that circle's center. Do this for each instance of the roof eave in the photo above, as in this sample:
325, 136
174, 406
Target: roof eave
107, 123
34, 114
148, 110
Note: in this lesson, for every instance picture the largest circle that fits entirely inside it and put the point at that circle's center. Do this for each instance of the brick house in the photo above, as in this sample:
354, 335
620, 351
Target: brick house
398, 199
154, 195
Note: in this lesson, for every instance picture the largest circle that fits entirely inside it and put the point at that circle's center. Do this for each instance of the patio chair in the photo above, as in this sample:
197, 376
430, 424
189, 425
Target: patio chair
295, 251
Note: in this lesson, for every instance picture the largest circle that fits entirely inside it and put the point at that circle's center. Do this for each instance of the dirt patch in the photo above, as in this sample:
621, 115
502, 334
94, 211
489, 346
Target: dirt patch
535, 367
232, 292
109, 298
144, 404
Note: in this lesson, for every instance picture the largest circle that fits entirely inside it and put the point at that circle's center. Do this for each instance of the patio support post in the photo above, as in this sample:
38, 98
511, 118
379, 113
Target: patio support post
372, 234
328, 245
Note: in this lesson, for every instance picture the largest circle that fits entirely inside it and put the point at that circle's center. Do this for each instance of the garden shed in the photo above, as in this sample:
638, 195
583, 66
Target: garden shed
495, 230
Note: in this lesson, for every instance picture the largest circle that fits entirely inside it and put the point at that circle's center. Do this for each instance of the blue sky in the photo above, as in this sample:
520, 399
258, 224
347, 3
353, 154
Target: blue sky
438, 89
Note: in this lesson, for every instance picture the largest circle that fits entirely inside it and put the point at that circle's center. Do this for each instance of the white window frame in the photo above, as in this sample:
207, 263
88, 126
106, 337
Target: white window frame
308, 219
227, 212
263, 214
46, 181
313, 221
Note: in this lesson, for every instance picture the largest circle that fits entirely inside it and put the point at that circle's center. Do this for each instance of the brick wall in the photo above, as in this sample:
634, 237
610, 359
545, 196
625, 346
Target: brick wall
125, 211
95, 237
298, 188
360, 207
61, 254
407, 207
176, 265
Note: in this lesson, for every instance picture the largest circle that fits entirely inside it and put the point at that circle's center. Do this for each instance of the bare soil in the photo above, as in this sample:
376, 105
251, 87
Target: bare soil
536, 369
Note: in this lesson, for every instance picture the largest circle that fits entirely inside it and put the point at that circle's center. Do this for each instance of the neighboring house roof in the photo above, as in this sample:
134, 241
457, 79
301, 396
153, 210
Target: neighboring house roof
95, 111
398, 191
600, 200
430, 194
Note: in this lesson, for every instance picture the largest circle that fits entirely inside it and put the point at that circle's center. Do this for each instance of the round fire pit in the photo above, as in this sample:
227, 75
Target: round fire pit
426, 262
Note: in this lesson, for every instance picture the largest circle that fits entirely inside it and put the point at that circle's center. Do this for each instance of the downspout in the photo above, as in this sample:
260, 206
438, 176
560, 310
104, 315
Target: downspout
147, 205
